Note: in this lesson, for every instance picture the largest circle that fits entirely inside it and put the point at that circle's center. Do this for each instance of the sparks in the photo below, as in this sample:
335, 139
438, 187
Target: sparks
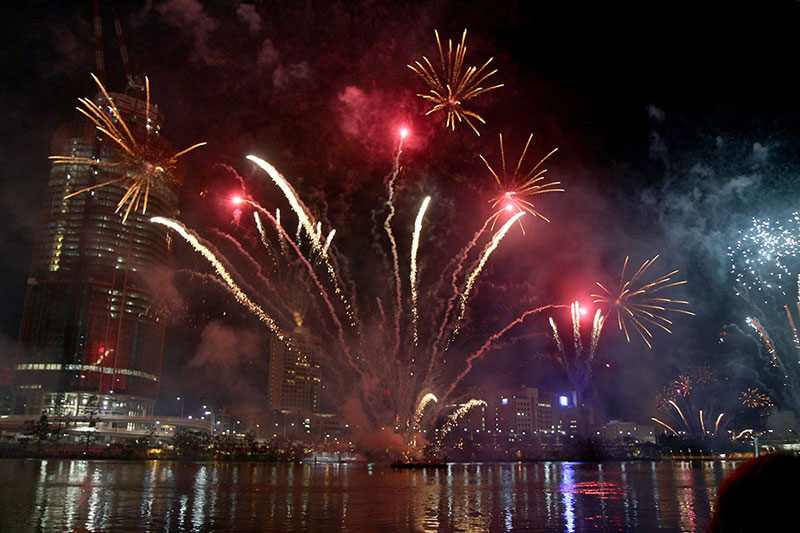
453, 86
516, 187
141, 163
636, 305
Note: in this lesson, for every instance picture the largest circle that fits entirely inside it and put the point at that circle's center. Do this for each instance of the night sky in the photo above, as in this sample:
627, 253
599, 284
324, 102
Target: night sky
675, 125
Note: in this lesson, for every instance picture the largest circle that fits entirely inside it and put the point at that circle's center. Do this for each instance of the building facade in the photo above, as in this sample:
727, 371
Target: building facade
91, 328
295, 376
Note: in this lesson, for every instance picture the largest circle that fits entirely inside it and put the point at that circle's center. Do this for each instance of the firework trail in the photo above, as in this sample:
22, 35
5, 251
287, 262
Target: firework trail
762, 333
577, 366
716, 424
413, 275
597, 328
142, 164
264, 240
318, 284
665, 425
689, 390
491, 340
387, 226
517, 189
459, 413
458, 262
423, 403
222, 272
675, 405
487, 252
453, 86
305, 221
635, 302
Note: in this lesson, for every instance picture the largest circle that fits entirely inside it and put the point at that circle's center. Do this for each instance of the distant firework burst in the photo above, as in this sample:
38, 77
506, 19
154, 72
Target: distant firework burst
683, 385
517, 187
453, 85
142, 163
765, 256
753, 398
637, 303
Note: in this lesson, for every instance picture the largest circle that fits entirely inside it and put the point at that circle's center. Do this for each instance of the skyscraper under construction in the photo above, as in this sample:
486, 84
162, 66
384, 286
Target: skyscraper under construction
91, 325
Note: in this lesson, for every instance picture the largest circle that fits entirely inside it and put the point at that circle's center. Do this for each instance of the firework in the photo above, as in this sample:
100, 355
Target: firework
454, 85
578, 364
423, 403
413, 275
765, 255
517, 188
665, 425
753, 398
491, 247
683, 385
691, 403
390, 370
702, 375
223, 273
456, 415
636, 302
141, 163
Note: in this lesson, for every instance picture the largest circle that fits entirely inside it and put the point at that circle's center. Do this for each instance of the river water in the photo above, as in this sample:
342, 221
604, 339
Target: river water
128, 496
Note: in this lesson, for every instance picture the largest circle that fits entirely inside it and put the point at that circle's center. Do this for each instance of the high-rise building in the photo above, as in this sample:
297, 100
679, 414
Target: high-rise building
295, 376
90, 325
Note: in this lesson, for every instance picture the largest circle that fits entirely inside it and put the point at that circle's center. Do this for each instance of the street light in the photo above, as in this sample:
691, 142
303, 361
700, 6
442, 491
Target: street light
181, 401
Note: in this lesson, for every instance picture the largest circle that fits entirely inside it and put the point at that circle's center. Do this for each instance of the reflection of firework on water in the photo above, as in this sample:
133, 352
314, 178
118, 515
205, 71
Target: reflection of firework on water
636, 303
765, 255
753, 398
578, 362
517, 189
142, 164
388, 370
453, 85
456, 415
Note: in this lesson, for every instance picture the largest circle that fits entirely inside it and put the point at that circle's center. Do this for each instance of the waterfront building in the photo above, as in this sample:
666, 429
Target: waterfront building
295, 376
92, 329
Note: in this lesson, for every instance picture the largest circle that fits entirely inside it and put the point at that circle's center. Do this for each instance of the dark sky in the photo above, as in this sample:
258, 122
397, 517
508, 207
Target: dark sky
675, 123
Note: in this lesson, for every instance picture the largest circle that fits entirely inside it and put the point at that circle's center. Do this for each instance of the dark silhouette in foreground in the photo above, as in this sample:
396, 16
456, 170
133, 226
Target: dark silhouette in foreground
760, 495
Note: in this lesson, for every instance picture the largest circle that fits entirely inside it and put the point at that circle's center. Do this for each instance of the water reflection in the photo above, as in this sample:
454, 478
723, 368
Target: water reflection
59, 495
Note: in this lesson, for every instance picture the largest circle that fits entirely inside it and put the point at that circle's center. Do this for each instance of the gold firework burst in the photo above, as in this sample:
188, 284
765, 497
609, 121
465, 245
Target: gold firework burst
453, 85
664, 397
702, 375
753, 398
683, 385
517, 188
142, 164
636, 304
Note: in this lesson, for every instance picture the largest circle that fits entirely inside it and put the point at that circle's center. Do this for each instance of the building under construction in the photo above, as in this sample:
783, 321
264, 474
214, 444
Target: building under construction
91, 329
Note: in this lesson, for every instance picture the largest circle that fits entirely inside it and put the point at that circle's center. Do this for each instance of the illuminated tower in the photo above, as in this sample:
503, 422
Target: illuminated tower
295, 376
89, 325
